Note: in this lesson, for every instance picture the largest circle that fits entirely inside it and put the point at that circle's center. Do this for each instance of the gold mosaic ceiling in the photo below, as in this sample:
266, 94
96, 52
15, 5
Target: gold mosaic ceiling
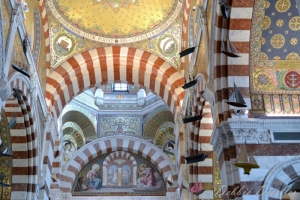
108, 20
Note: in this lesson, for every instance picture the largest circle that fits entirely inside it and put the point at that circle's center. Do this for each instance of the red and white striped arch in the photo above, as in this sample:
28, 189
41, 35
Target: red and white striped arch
24, 148
119, 154
111, 64
110, 144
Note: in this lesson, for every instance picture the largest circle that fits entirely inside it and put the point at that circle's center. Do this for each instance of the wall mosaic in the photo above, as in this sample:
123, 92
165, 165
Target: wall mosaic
120, 124
119, 173
6, 17
88, 114
83, 122
65, 44
18, 57
155, 120
5, 162
29, 22
74, 130
274, 49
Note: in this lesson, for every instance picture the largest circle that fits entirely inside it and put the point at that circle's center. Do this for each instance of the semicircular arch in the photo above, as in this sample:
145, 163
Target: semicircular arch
110, 64
278, 178
111, 144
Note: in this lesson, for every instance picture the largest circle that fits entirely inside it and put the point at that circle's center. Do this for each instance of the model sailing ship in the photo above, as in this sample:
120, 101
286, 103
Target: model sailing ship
244, 162
197, 188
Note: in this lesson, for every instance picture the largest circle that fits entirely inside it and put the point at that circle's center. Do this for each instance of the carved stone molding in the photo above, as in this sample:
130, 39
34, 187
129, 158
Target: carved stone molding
172, 196
55, 194
251, 136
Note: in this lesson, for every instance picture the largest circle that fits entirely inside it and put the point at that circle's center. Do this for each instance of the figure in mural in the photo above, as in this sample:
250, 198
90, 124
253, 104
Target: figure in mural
69, 148
169, 150
113, 175
94, 179
126, 175
148, 178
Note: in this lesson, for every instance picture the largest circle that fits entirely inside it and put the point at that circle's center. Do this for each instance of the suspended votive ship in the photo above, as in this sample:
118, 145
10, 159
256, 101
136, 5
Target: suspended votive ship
236, 99
197, 188
229, 49
244, 162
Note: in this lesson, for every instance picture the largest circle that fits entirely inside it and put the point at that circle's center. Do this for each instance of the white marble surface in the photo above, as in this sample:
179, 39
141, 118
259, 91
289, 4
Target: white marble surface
239, 35
241, 13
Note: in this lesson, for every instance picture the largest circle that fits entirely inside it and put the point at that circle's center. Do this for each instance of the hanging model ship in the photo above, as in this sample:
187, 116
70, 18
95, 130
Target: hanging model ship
236, 99
245, 163
197, 188
229, 49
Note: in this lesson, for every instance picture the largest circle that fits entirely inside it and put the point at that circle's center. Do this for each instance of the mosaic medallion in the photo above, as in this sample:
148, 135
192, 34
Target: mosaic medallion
277, 41
116, 21
282, 5
292, 79
292, 56
267, 22
294, 23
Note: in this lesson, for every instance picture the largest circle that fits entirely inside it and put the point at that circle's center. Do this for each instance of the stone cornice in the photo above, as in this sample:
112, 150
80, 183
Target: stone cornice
251, 131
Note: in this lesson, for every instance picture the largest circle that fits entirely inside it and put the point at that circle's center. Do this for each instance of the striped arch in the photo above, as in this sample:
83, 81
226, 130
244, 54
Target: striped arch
21, 82
24, 148
279, 177
228, 70
119, 154
111, 144
110, 64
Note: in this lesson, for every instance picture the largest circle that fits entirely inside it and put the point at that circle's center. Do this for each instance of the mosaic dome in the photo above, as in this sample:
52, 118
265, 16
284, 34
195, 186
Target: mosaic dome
116, 21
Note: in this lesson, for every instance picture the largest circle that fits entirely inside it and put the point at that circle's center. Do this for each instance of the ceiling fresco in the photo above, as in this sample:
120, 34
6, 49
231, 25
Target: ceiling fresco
275, 49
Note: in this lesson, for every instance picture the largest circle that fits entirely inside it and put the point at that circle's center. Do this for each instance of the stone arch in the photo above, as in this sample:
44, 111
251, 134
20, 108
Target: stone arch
24, 148
279, 177
118, 143
110, 64
20, 81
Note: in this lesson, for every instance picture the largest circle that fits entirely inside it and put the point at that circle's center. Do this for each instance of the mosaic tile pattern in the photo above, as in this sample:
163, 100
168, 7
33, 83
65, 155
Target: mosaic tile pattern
120, 124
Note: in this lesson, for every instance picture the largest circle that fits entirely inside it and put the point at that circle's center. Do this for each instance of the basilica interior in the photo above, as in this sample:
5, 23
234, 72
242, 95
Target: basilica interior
149, 99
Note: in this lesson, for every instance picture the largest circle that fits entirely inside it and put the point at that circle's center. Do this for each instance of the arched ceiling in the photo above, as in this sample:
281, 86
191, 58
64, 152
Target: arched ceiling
83, 121
155, 120
132, 20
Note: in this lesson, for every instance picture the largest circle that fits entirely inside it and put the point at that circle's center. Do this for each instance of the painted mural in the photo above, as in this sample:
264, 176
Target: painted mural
119, 173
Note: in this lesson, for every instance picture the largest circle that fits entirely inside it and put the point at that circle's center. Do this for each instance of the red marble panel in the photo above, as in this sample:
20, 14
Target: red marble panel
240, 24
243, 3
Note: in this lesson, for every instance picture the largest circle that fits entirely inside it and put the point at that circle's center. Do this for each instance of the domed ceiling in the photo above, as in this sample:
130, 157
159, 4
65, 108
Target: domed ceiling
116, 21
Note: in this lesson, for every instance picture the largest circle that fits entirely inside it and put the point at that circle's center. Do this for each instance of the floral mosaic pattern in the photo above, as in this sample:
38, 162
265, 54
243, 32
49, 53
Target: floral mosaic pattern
120, 124
273, 73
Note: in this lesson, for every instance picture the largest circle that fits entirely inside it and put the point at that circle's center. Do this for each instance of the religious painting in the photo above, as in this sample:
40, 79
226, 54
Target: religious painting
274, 47
169, 150
119, 173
